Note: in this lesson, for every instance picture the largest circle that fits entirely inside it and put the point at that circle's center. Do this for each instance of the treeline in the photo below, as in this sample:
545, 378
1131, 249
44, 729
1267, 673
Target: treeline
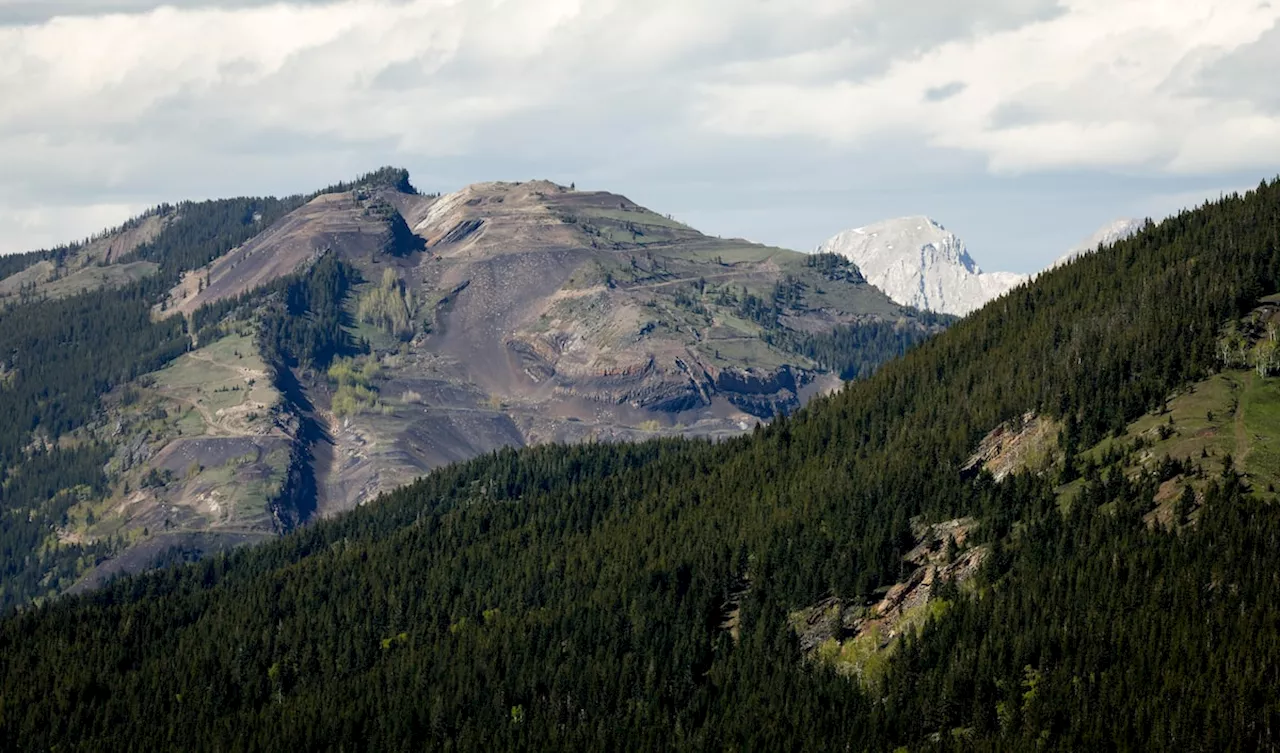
856, 351
12, 264
203, 231
384, 177
575, 597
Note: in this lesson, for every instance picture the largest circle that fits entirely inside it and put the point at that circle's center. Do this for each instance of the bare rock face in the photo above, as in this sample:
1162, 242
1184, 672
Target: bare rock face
753, 381
1025, 443
549, 314
764, 393
919, 263
854, 637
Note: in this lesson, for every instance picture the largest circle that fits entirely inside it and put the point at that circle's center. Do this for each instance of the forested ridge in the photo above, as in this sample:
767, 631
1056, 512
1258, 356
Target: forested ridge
58, 357
573, 597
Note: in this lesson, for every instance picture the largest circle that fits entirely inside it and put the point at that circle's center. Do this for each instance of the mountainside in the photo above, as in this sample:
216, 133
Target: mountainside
853, 575
919, 263
232, 369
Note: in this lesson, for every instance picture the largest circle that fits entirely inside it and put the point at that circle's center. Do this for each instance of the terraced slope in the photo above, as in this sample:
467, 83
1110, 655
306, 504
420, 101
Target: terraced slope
502, 315
537, 313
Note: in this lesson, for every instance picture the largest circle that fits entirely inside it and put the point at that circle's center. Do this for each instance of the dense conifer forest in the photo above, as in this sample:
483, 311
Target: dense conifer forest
575, 597
857, 351
14, 263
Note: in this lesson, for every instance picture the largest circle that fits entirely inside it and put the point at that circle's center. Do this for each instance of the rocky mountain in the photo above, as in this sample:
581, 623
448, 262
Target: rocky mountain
314, 352
917, 262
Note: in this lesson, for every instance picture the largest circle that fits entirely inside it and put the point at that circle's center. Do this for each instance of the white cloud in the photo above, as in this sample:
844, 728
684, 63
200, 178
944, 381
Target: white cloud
134, 100
416, 72
1105, 84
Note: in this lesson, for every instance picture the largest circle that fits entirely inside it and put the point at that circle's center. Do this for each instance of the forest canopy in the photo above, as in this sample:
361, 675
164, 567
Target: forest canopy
576, 597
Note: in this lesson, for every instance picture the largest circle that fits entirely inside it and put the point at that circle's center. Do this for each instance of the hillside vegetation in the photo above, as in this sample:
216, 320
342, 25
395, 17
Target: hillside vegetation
167, 383
640, 596
61, 352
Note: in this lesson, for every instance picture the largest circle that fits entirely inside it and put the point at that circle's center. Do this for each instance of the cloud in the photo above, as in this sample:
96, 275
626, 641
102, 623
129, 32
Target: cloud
1246, 74
946, 91
121, 91
38, 11
120, 102
1103, 84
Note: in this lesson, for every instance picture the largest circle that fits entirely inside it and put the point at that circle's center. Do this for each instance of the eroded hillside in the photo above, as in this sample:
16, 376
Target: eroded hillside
101, 262
529, 313
502, 315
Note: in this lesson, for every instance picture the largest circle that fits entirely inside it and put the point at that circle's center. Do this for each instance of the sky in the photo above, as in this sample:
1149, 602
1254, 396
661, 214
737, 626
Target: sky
1021, 125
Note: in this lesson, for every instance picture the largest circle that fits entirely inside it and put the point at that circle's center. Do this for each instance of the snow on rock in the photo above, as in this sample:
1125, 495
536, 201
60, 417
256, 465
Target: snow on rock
1112, 232
917, 262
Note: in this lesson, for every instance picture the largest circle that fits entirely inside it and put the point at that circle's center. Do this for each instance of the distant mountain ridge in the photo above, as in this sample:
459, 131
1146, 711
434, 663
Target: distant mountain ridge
918, 262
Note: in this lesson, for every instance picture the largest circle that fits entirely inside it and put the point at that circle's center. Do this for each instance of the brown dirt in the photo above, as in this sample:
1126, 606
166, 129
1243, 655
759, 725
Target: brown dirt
335, 222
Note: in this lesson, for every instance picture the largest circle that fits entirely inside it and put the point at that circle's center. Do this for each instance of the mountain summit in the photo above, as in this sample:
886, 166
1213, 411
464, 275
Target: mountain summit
917, 262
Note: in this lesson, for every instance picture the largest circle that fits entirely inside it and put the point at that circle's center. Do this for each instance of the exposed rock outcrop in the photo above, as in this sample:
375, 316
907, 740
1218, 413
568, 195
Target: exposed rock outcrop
1025, 443
853, 637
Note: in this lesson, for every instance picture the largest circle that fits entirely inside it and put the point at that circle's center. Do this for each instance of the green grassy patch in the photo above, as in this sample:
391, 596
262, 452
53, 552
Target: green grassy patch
745, 353
1260, 404
64, 283
642, 218
729, 252
190, 423
217, 377
1199, 419
1234, 413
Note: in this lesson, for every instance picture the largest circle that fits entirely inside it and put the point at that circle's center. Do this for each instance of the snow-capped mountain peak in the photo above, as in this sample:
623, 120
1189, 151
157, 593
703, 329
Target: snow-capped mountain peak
1112, 232
918, 262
